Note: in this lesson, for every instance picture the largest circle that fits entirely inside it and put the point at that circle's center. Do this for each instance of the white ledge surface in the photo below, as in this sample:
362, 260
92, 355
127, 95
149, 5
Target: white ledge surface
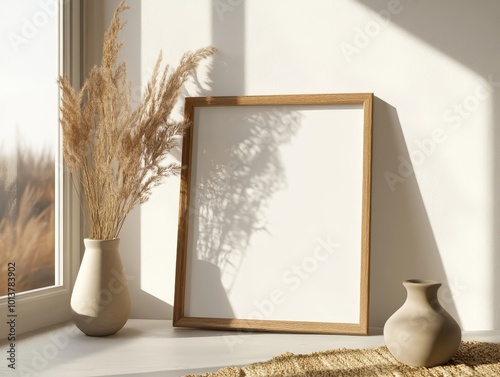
153, 348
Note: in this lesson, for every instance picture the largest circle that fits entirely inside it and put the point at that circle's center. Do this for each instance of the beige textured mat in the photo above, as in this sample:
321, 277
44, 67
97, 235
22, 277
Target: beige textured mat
472, 359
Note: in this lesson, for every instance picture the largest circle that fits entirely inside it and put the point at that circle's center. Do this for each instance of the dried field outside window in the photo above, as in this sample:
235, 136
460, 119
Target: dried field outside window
27, 219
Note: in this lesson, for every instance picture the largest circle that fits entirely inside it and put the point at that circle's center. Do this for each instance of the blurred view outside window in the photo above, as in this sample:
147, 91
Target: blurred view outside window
29, 67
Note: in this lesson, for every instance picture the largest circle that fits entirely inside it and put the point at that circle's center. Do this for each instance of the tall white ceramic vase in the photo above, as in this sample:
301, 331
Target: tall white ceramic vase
100, 302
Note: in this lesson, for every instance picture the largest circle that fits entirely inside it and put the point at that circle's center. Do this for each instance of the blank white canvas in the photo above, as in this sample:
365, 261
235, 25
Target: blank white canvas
275, 213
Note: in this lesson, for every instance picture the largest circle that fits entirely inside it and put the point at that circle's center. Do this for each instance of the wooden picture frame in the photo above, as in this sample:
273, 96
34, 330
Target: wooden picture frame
274, 217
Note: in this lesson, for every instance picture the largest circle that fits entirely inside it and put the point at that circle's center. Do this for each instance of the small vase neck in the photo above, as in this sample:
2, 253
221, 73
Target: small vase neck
422, 291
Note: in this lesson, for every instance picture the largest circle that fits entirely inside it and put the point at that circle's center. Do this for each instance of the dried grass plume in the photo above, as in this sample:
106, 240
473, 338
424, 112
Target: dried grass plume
117, 153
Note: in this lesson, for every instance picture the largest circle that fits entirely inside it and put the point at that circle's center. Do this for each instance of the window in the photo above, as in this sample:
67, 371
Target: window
38, 218
29, 95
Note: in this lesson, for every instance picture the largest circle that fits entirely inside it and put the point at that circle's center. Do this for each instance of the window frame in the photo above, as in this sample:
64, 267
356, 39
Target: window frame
50, 305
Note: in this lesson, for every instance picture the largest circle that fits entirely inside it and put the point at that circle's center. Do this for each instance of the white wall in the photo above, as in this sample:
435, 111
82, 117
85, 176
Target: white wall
433, 68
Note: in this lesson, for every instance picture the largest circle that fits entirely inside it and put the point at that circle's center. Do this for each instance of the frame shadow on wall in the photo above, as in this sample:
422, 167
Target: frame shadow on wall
402, 238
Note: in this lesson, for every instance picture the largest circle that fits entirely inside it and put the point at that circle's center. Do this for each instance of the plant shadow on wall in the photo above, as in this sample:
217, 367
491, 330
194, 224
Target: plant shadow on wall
402, 241
27, 218
229, 199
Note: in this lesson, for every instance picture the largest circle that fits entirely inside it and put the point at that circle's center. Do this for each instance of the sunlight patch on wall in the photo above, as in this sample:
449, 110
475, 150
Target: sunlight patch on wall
158, 243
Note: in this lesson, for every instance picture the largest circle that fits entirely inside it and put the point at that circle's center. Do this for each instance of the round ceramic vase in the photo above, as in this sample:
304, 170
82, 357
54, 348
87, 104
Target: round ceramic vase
100, 302
421, 332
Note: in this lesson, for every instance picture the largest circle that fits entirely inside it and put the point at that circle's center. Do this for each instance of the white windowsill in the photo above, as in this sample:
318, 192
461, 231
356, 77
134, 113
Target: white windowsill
153, 348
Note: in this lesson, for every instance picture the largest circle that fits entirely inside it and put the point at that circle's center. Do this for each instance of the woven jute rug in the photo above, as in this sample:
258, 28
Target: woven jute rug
472, 359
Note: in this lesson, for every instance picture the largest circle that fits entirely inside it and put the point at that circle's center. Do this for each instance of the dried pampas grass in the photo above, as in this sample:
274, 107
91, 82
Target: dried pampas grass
117, 153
